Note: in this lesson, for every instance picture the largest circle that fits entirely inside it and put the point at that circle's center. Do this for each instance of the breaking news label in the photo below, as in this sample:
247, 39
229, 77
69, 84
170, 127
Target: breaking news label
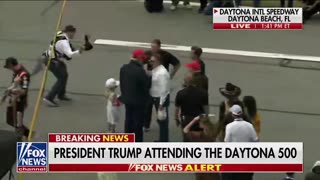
119, 153
257, 19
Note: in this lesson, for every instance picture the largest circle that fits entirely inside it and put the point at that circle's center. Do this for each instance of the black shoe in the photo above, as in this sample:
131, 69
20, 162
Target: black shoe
64, 98
50, 103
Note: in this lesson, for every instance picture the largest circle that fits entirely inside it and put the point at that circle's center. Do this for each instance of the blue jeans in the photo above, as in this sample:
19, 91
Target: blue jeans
59, 70
163, 124
209, 9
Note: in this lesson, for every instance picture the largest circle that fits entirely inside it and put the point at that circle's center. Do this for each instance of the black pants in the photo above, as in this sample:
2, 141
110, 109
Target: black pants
164, 124
203, 4
283, 3
59, 70
237, 176
135, 117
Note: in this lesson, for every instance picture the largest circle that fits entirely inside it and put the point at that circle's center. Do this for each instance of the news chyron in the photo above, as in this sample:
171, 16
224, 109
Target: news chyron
32, 157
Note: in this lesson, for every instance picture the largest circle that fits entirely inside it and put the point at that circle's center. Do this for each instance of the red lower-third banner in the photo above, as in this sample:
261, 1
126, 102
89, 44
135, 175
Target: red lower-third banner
257, 26
176, 168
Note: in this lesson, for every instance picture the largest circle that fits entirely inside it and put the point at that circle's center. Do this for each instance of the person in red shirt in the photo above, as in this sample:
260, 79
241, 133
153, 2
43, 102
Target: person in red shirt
17, 94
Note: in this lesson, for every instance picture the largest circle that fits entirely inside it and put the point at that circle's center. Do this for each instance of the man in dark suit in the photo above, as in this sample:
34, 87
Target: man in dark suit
134, 85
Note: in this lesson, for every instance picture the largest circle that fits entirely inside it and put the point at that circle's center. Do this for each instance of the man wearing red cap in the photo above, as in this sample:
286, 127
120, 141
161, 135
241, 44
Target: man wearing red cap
134, 86
200, 79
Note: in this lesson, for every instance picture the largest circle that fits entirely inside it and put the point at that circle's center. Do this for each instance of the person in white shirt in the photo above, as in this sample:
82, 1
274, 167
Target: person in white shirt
239, 131
59, 51
159, 91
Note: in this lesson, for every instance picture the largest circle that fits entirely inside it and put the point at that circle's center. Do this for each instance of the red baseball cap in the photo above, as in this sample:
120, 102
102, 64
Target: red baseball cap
194, 66
138, 53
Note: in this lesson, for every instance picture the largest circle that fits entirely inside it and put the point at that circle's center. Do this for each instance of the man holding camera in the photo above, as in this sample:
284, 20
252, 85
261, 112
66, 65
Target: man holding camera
59, 51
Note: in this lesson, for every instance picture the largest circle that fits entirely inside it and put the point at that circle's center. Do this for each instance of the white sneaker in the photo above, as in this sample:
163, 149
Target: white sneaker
188, 6
172, 7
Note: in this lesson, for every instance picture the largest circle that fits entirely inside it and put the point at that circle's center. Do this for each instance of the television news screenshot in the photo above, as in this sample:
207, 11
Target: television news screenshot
159, 90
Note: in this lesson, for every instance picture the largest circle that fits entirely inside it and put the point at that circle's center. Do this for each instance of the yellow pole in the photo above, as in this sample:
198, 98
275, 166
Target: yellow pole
43, 82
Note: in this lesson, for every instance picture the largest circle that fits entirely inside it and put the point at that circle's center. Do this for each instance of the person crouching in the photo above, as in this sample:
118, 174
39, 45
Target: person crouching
113, 104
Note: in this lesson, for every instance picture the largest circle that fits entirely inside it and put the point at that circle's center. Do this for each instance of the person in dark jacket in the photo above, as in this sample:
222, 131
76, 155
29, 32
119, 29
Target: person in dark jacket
134, 85
18, 96
196, 53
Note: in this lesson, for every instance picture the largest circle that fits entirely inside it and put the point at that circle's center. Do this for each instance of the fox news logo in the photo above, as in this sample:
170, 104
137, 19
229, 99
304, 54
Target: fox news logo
31, 157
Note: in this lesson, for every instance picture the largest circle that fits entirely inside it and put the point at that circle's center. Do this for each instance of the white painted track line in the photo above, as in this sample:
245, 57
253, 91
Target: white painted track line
210, 50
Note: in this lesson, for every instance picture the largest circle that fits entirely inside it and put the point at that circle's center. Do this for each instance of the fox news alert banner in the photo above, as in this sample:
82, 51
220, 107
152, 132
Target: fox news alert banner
118, 153
257, 18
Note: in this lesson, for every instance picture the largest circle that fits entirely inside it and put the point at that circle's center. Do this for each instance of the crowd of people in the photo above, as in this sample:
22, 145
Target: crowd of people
145, 84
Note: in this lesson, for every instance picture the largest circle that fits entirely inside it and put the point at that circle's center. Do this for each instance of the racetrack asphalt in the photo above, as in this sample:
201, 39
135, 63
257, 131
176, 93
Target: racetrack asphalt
287, 97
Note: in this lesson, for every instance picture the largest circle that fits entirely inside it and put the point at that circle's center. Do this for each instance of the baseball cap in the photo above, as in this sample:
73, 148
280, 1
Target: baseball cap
236, 110
111, 83
10, 61
138, 53
194, 66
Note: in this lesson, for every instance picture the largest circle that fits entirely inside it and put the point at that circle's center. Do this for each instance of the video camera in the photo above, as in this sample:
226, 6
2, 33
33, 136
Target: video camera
8, 143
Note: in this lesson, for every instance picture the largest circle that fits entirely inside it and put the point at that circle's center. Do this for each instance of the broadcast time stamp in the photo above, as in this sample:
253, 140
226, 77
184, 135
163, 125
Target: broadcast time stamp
32, 157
